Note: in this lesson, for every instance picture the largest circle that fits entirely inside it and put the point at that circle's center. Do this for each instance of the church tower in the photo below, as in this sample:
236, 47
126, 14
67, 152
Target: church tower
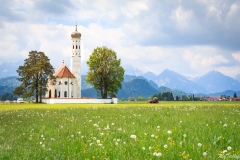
76, 62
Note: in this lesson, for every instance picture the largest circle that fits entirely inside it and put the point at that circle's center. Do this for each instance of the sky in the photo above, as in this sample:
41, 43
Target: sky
191, 37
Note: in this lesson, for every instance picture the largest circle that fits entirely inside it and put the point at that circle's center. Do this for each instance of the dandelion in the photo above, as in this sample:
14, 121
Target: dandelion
225, 125
98, 141
169, 132
159, 154
180, 121
199, 144
229, 148
40, 143
206, 124
72, 135
158, 127
204, 153
224, 151
165, 146
214, 142
143, 148
152, 135
116, 143
112, 124
133, 136
43, 145
184, 135
150, 148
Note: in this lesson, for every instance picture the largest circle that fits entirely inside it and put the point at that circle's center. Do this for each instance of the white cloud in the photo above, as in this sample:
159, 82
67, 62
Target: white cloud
236, 56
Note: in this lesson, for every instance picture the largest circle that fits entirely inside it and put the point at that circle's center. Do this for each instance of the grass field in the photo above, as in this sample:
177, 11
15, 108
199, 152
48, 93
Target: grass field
168, 130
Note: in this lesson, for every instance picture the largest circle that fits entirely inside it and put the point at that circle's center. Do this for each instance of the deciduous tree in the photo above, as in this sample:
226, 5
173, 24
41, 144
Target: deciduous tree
105, 71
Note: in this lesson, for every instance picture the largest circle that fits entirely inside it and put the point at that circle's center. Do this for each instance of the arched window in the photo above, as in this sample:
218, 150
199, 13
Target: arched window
65, 82
50, 93
73, 46
59, 94
55, 94
76, 46
65, 94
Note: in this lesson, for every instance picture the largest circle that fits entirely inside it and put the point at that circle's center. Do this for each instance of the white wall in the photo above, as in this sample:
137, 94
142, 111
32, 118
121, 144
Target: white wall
78, 100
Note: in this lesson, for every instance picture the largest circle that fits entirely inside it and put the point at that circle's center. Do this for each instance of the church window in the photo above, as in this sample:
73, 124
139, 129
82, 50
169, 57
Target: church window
73, 46
55, 94
59, 94
76, 46
65, 94
65, 82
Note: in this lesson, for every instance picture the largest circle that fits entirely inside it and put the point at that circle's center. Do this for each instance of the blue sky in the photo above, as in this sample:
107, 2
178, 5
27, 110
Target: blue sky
186, 36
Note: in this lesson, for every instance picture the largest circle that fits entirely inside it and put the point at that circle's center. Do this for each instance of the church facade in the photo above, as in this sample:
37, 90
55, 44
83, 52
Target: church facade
68, 81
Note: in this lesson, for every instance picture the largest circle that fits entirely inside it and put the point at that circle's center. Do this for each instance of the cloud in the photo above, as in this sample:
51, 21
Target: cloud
189, 37
236, 56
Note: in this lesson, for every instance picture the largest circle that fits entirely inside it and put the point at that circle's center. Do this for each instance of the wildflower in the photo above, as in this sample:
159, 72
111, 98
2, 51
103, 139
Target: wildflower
229, 148
180, 122
158, 127
206, 124
43, 145
169, 132
224, 151
159, 154
214, 142
133, 136
184, 135
112, 124
150, 148
199, 144
143, 148
225, 125
152, 135
98, 141
204, 153
165, 146
40, 142
116, 143
169, 138
72, 135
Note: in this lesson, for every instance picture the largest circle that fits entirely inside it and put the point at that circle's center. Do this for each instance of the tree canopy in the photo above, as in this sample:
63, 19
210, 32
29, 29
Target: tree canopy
34, 75
105, 71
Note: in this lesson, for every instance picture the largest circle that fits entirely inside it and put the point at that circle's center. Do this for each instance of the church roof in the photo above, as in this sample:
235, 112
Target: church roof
65, 72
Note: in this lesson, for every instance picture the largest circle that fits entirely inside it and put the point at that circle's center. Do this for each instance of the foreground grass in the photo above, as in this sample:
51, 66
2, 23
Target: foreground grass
169, 130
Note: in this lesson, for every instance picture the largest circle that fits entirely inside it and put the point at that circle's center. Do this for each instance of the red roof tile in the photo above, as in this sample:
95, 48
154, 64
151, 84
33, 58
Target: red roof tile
65, 72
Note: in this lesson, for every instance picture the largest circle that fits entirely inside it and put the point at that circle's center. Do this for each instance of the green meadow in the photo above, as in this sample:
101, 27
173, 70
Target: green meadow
168, 130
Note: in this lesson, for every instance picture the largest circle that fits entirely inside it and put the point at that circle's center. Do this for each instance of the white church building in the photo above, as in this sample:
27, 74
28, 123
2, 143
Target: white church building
68, 81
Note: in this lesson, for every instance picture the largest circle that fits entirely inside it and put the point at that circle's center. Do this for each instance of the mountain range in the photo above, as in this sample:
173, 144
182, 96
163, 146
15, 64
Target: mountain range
137, 83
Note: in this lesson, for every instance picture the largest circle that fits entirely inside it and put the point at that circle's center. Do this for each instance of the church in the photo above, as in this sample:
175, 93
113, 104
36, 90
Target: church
68, 81
67, 88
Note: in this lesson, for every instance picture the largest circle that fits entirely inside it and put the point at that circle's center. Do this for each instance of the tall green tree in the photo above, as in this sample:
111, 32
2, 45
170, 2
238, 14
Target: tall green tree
234, 95
105, 71
34, 75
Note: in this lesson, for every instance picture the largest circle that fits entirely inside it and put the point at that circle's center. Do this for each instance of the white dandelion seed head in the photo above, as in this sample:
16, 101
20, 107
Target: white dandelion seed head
143, 148
159, 154
169, 132
229, 148
224, 151
184, 135
225, 125
133, 136
158, 127
204, 153
152, 135
199, 144
165, 146
98, 141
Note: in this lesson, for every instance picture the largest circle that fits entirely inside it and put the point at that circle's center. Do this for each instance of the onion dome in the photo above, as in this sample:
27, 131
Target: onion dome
76, 34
